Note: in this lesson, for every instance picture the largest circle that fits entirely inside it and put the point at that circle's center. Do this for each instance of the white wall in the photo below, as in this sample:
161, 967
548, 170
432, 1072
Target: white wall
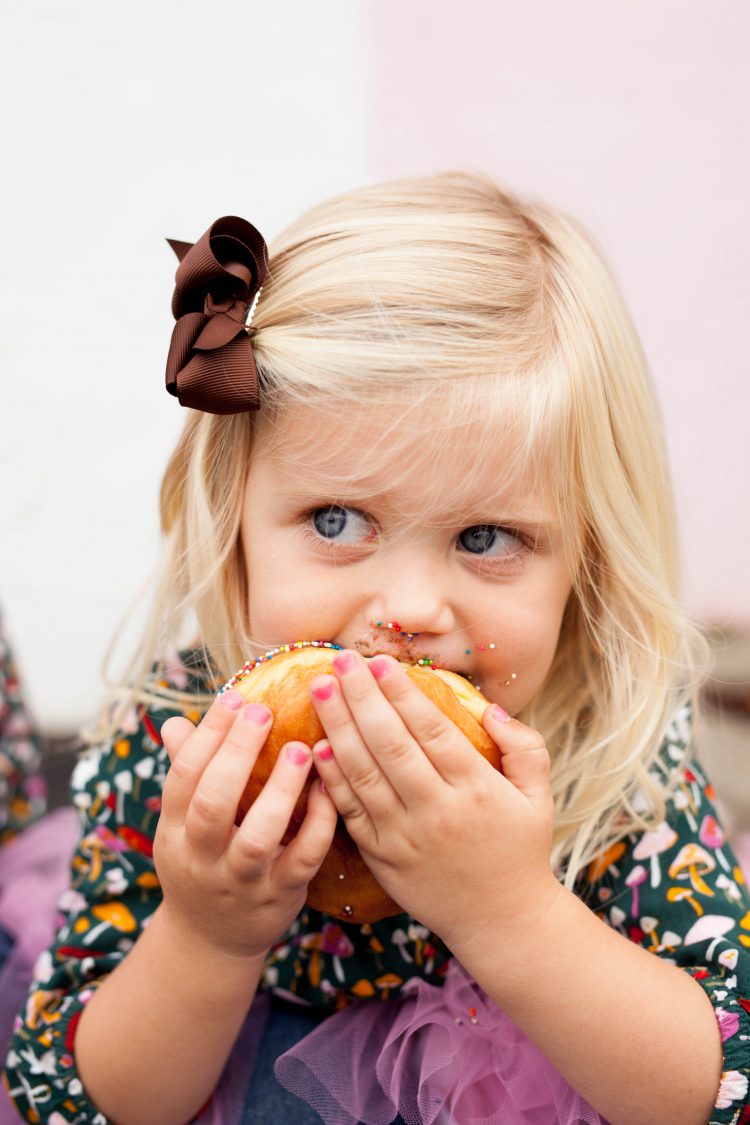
126, 123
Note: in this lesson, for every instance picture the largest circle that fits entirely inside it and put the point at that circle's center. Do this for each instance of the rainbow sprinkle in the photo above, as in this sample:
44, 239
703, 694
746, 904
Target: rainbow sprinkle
248, 666
394, 625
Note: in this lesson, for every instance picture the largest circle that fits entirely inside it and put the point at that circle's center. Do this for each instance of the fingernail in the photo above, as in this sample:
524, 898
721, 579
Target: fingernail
379, 667
256, 713
499, 715
231, 699
324, 690
297, 753
322, 785
344, 662
324, 751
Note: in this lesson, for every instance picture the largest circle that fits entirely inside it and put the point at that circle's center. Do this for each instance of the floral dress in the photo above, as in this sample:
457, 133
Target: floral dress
677, 891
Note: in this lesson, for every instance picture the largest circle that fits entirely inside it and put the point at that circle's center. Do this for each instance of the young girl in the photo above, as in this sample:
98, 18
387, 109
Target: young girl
452, 454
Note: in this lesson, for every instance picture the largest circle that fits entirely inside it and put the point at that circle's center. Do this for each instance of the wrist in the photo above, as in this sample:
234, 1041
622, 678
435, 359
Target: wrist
179, 935
513, 935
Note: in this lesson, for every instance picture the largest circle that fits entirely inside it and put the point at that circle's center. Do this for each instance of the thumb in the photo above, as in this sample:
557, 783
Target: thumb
174, 733
525, 758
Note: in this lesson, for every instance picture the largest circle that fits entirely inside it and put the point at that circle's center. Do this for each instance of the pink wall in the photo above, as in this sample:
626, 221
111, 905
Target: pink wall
634, 118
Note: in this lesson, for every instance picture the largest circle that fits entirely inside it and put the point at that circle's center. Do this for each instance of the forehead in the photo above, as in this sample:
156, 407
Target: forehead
423, 461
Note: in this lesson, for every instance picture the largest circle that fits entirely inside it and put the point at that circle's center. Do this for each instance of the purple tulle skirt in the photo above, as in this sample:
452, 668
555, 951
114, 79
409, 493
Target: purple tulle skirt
438, 1056
34, 872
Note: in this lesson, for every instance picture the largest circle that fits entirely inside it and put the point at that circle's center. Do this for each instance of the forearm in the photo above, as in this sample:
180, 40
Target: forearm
635, 1036
171, 1008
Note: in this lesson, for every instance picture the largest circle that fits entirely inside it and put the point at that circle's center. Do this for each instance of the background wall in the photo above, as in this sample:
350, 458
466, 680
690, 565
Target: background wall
128, 123
635, 117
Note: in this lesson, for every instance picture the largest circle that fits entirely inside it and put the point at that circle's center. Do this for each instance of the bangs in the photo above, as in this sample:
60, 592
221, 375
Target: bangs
474, 446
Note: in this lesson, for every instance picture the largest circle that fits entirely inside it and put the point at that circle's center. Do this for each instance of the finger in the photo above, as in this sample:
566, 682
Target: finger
351, 809
195, 754
174, 733
305, 853
445, 746
258, 839
362, 770
211, 815
411, 775
525, 758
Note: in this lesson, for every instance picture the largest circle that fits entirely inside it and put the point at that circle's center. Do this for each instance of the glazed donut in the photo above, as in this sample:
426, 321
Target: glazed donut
344, 886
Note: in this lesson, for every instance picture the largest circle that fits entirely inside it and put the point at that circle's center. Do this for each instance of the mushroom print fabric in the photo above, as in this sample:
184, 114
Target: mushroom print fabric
677, 890
680, 892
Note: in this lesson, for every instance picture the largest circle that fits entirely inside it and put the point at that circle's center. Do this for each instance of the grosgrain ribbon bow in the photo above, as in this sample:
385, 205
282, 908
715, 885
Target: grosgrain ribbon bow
211, 365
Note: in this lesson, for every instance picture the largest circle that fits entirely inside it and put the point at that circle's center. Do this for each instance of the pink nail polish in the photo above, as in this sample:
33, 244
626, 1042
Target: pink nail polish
379, 667
256, 713
499, 715
324, 691
324, 751
231, 699
297, 753
344, 662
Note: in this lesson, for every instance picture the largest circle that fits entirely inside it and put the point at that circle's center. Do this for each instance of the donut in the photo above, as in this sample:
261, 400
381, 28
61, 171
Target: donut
344, 887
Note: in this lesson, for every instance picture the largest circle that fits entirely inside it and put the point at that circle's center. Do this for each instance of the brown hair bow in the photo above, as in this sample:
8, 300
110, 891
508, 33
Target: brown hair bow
211, 365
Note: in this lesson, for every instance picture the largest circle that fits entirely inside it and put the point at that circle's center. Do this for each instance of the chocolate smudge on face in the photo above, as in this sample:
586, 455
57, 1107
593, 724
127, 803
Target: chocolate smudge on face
404, 650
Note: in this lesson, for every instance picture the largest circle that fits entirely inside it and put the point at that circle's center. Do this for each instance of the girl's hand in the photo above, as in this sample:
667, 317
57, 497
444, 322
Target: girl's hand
459, 845
235, 887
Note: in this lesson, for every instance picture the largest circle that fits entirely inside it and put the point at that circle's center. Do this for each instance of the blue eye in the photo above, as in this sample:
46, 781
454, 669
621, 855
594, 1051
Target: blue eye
481, 539
342, 525
337, 526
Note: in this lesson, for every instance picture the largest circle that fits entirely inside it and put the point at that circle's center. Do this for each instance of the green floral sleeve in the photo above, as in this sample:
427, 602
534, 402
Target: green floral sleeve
679, 892
113, 891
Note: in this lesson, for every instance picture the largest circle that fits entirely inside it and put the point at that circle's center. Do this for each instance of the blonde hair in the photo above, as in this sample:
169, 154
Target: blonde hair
451, 284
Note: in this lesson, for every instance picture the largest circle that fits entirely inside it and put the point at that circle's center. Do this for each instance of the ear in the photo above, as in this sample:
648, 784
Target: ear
174, 733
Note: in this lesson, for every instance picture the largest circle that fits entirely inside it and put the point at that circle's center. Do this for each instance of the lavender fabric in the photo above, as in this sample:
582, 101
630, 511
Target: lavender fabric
34, 872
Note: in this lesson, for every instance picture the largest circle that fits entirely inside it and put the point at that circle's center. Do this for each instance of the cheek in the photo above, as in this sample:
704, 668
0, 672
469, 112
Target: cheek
533, 658
518, 672
284, 603
526, 645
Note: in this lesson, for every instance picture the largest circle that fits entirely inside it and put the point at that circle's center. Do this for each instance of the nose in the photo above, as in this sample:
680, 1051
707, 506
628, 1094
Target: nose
415, 593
